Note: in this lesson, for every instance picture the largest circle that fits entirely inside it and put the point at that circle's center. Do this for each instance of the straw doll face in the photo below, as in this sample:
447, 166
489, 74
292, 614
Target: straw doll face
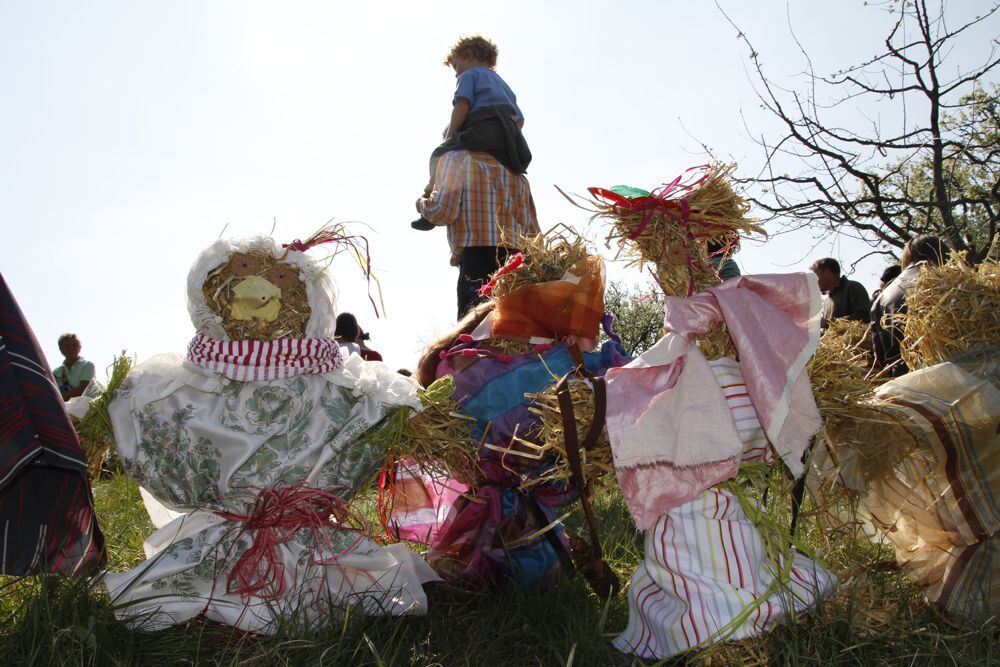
258, 297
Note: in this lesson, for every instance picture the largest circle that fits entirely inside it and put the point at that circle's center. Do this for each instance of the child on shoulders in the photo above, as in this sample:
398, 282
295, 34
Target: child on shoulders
484, 116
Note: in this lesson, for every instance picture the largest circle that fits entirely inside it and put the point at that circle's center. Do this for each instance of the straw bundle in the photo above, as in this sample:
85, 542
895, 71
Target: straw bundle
292, 318
439, 438
671, 227
549, 441
843, 388
95, 431
951, 308
547, 257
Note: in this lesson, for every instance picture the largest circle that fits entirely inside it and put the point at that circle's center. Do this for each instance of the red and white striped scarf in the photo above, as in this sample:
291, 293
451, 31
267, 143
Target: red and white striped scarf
261, 360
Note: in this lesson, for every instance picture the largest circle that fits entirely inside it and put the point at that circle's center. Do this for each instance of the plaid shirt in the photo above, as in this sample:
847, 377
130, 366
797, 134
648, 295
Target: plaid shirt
480, 201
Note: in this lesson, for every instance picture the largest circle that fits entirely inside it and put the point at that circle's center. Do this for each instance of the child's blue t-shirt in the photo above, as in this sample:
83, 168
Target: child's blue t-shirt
484, 88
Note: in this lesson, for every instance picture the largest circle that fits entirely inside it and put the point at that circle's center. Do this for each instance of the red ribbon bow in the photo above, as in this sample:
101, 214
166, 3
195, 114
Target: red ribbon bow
277, 514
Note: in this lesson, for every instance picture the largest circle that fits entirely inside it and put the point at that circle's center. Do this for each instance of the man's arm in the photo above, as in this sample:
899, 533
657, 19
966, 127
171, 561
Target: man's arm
73, 393
445, 202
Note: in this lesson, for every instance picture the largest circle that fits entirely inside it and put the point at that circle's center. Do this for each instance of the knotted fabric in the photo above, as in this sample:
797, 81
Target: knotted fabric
571, 306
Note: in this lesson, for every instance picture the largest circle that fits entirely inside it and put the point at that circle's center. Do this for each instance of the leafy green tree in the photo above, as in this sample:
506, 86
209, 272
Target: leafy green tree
638, 313
970, 168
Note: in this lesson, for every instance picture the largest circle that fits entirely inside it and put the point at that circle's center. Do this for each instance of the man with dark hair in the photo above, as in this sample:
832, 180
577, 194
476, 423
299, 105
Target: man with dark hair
845, 298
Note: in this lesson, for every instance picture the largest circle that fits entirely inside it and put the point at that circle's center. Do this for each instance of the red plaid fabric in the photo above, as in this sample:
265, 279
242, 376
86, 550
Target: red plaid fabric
47, 518
481, 202
262, 360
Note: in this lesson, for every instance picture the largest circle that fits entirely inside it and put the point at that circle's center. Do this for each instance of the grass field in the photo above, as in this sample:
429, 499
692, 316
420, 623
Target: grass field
876, 618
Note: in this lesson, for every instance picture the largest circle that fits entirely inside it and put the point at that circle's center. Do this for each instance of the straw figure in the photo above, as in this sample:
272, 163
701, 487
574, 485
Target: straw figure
250, 448
543, 315
918, 456
696, 435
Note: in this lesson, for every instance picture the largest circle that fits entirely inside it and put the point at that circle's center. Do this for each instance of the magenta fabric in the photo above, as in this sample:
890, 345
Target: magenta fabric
644, 384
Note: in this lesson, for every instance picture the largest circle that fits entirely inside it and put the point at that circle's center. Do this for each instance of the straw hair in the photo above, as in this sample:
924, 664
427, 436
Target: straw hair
675, 241
951, 308
547, 257
674, 235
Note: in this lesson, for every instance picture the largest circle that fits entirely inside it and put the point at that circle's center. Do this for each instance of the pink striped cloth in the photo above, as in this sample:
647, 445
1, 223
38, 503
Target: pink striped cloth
262, 360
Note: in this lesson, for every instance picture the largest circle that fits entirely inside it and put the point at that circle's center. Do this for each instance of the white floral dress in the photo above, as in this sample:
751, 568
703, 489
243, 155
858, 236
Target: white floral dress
205, 447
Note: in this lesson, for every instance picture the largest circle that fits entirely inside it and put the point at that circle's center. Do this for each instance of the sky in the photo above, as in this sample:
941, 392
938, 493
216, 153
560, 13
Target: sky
134, 133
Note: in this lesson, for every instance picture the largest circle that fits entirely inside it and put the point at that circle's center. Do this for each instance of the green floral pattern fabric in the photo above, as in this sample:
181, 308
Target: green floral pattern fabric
205, 446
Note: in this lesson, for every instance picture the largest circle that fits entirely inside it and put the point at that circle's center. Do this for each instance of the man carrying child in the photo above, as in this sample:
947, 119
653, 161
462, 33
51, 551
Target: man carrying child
477, 188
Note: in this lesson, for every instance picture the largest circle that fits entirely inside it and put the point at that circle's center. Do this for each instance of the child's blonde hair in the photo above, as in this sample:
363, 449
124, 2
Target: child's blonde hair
477, 47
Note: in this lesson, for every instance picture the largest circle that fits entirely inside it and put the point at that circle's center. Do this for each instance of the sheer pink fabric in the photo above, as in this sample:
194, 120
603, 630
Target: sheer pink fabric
773, 320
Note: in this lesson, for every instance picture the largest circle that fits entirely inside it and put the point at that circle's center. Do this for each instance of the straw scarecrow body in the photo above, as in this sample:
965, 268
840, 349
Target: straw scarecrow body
249, 450
918, 456
695, 434
545, 306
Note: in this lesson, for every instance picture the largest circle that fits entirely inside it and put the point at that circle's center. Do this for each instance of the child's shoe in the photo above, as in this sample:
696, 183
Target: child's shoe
423, 224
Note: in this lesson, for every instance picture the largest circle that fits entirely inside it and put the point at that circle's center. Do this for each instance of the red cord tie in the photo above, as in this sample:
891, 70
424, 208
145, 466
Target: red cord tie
276, 516
297, 244
513, 264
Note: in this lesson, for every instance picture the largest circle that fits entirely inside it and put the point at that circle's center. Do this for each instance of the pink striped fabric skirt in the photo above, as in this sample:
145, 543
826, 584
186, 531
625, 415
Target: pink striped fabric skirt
706, 575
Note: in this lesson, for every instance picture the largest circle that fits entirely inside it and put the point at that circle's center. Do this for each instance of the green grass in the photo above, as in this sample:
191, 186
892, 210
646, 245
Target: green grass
878, 618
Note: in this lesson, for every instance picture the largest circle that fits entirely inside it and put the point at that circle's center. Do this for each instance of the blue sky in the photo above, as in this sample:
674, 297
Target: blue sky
134, 133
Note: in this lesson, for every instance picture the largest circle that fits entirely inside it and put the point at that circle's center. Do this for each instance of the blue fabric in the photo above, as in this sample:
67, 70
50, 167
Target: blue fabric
529, 563
499, 387
484, 88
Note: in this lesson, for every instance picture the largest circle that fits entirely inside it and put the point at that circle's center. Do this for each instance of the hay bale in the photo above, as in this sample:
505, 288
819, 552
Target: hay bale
951, 308
843, 387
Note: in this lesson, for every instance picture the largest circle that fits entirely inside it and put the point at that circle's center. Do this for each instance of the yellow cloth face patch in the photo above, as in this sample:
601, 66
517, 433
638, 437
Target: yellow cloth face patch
256, 298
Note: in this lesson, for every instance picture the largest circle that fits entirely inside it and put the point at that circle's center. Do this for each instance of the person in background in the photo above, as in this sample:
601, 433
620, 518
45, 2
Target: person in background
346, 333
76, 372
720, 257
366, 352
486, 209
887, 277
920, 251
845, 298
484, 114
351, 338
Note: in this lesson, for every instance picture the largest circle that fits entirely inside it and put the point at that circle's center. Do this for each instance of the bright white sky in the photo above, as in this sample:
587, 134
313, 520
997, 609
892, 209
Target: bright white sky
134, 132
